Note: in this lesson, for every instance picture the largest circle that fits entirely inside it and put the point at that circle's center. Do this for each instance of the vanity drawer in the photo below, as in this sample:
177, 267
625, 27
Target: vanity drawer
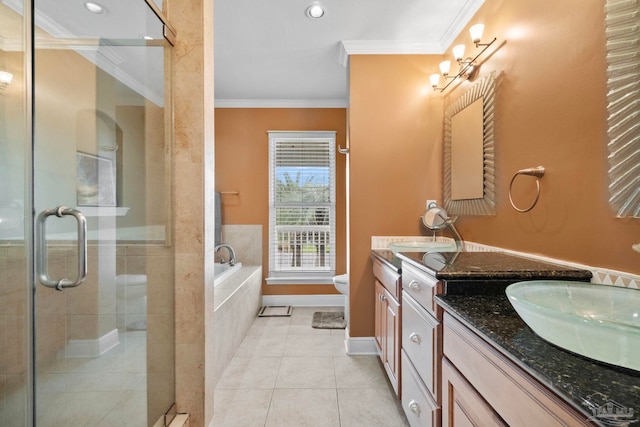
421, 334
422, 287
417, 403
389, 279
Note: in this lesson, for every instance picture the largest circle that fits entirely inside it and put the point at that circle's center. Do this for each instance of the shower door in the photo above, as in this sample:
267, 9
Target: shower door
85, 238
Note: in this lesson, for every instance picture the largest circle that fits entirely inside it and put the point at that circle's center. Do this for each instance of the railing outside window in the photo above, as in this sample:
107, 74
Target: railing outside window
303, 248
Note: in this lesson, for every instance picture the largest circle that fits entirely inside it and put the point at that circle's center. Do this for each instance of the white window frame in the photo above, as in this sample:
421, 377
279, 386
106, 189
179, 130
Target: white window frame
301, 276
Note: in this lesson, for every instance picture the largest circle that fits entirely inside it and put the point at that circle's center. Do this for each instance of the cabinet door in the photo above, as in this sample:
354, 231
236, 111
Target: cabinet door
380, 313
462, 406
391, 346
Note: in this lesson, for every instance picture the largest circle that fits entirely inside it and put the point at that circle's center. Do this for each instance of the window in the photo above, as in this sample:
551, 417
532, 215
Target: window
302, 214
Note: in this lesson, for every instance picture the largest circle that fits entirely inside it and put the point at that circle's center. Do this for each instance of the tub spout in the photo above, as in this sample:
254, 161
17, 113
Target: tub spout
232, 253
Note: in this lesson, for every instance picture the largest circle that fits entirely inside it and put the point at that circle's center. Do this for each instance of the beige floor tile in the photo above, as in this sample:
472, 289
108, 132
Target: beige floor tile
339, 346
307, 330
270, 326
131, 412
247, 408
303, 408
338, 332
360, 372
262, 346
306, 372
308, 345
370, 408
250, 373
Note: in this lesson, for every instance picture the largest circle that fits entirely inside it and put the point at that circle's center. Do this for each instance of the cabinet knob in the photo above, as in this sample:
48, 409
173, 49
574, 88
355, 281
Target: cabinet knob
414, 286
415, 338
414, 407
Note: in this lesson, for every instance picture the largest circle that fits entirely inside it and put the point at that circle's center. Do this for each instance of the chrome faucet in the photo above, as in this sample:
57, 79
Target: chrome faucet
232, 253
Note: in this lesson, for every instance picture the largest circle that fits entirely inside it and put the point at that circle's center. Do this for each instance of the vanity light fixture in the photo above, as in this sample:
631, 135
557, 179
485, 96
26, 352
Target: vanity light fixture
315, 11
95, 8
467, 67
5, 79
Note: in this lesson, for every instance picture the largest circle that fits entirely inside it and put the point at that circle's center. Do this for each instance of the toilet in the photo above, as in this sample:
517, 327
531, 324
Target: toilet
131, 299
341, 283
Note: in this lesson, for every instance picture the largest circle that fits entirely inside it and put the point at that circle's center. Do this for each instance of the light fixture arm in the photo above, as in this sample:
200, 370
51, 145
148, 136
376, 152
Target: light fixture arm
468, 66
478, 44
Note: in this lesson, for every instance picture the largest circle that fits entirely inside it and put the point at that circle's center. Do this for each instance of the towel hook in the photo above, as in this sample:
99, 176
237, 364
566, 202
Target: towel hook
537, 172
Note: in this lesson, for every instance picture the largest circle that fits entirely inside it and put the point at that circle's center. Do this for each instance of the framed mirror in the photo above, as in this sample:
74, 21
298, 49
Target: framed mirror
469, 161
623, 106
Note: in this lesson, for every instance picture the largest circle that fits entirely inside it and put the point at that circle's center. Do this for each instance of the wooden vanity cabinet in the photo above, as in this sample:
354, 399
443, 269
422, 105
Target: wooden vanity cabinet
387, 320
481, 386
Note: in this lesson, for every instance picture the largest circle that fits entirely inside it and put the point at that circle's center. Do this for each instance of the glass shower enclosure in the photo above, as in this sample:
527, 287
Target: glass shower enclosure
86, 255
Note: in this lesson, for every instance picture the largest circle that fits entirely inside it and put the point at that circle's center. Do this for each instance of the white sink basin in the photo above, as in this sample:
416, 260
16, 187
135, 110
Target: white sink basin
596, 321
418, 246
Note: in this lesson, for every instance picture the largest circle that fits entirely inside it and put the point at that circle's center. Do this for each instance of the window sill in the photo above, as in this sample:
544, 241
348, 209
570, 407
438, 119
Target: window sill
300, 280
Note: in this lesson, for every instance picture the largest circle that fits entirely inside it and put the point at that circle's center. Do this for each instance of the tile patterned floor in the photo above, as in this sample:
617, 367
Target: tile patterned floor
286, 373
105, 391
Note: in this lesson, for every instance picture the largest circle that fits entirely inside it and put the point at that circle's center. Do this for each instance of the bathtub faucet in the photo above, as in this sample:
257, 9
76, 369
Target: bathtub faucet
232, 253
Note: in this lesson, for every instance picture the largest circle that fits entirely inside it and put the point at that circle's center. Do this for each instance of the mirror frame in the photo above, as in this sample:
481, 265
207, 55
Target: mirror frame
485, 89
623, 91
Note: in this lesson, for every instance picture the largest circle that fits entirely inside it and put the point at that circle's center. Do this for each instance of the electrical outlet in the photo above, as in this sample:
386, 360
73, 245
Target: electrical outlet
431, 203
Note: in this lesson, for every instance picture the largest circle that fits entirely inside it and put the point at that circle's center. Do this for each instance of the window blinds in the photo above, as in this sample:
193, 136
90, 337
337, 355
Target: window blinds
301, 203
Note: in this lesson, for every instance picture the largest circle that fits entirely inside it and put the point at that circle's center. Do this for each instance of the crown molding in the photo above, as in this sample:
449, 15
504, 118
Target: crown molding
409, 47
280, 103
386, 47
459, 22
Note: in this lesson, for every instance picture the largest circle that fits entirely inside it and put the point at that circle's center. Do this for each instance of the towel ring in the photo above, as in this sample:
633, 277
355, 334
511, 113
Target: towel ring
537, 172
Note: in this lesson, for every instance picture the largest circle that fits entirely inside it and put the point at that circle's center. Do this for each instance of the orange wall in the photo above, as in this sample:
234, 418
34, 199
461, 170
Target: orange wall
550, 111
395, 137
242, 164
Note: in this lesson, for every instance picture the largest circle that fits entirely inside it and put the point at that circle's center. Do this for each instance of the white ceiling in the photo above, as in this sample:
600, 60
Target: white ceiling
268, 53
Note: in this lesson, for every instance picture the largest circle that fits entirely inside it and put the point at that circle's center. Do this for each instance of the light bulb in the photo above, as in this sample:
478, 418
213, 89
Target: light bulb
458, 52
445, 66
434, 79
476, 32
95, 8
315, 11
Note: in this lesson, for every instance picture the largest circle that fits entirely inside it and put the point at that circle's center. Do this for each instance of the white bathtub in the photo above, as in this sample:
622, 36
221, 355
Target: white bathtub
237, 298
224, 271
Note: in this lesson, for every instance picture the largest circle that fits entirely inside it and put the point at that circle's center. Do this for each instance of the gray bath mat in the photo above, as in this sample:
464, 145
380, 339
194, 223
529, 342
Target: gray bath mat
328, 320
275, 311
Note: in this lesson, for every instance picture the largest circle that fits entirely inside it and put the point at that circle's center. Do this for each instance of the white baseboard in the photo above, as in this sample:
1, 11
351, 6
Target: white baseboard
93, 348
336, 300
361, 346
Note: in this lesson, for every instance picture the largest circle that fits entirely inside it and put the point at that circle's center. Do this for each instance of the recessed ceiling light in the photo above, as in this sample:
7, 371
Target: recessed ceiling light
315, 11
95, 8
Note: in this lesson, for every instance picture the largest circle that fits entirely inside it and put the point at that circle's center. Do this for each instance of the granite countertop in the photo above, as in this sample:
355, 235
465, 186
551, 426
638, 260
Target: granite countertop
388, 258
572, 377
472, 273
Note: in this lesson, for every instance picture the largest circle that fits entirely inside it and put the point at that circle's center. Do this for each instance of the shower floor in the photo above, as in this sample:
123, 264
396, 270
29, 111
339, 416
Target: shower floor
104, 391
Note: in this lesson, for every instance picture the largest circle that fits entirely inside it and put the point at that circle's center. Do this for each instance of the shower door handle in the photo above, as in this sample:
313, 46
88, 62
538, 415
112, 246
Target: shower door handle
41, 242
